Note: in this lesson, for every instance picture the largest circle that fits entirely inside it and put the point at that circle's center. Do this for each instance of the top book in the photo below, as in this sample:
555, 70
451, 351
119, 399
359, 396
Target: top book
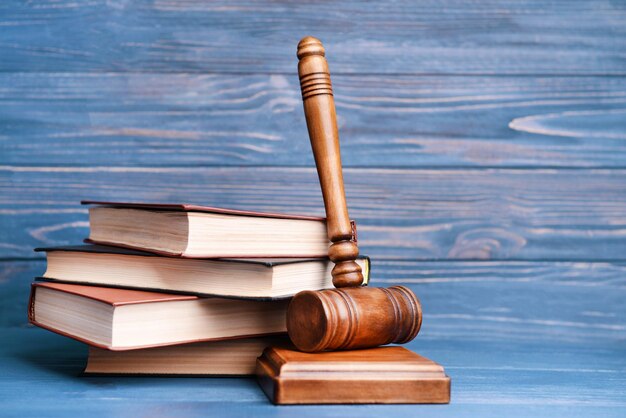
206, 232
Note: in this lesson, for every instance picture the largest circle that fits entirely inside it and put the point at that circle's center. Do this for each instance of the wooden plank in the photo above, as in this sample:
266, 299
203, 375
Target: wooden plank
455, 36
517, 338
490, 378
182, 119
414, 214
461, 299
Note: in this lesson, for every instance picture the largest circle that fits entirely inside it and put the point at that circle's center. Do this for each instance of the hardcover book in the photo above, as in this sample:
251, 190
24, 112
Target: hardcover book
245, 278
231, 357
119, 319
206, 232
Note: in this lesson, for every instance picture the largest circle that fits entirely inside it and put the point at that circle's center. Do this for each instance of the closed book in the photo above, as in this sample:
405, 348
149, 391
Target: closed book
231, 357
121, 319
206, 232
244, 278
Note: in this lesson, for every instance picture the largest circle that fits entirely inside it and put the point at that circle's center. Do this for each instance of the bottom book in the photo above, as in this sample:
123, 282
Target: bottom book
231, 357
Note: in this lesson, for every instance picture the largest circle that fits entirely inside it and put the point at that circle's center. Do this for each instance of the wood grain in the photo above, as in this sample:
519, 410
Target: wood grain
399, 121
350, 316
522, 302
437, 102
504, 330
321, 121
457, 36
492, 377
517, 338
382, 375
415, 214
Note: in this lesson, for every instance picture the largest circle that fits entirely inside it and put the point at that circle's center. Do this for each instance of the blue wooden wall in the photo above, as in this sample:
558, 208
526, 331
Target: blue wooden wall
484, 145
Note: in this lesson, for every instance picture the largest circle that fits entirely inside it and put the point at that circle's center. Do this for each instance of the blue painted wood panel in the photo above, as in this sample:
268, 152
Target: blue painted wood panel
507, 350
134, 119
462, 299
416, 214
474, 131
451, 37
491, 378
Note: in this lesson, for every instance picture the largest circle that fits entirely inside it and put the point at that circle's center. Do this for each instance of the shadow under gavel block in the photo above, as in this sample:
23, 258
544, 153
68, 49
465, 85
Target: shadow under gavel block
383, 375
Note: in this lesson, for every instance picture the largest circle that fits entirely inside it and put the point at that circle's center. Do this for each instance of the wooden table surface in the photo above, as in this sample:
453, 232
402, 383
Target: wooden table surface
485, 154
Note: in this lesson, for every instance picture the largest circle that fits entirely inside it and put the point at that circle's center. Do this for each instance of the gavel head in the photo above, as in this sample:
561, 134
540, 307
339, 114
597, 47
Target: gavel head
353, 317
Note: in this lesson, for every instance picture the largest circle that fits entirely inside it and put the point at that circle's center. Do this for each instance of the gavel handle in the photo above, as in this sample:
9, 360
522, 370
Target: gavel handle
321, 120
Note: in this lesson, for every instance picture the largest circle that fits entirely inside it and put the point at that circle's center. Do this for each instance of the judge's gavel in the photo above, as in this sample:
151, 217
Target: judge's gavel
349, 316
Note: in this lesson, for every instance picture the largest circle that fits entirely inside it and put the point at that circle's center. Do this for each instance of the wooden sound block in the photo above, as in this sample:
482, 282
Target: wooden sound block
375, 375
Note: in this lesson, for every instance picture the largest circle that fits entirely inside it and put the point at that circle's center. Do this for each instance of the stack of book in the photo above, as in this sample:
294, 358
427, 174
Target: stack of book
180, 289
